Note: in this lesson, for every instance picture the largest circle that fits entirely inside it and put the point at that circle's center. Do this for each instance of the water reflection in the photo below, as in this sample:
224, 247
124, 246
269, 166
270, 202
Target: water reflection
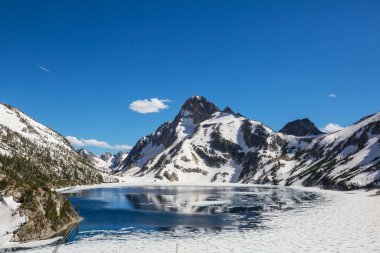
193, 208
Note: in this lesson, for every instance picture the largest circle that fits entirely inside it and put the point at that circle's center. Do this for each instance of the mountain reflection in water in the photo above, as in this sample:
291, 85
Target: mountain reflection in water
167, 208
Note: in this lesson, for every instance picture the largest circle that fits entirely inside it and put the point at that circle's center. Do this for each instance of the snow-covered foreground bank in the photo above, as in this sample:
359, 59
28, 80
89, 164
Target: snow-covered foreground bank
10, 219
346, 222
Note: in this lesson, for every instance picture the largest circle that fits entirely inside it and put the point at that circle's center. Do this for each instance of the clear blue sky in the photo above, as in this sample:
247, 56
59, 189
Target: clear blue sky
76, 66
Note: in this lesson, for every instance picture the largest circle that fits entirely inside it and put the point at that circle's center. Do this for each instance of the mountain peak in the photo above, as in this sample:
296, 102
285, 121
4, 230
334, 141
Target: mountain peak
85, 153
198, 108
228, 110
300, 127
195, 102
106, 156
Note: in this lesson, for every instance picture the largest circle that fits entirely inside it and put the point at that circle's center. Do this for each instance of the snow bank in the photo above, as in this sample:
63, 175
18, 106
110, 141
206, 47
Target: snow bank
10, 219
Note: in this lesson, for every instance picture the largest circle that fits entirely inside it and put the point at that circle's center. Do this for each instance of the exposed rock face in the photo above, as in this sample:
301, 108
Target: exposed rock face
300, 127
86, 154
47, 213
197, 109
106, 156
204, 144
228, 110
117, 159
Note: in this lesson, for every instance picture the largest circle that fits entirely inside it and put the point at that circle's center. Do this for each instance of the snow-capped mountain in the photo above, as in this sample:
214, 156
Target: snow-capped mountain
22, 136
105, 162
206, 144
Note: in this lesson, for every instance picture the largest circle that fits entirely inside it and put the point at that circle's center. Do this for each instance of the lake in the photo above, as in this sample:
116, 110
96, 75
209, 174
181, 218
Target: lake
167, 209
218, 219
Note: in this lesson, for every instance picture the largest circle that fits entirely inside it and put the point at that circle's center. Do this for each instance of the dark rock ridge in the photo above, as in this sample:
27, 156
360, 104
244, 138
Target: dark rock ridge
117, 159
198, 108
205, 144
106, 156
300, 127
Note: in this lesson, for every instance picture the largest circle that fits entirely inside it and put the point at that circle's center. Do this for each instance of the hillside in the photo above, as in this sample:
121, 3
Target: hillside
33, 160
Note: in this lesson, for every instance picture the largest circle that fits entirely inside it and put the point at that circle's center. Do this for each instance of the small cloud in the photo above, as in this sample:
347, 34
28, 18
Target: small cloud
332, 95
331, 128
145, 106
43, 68
95, 143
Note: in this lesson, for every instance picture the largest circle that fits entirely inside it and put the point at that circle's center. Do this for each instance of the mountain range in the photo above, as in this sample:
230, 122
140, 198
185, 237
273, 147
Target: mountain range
206, 144
106, 162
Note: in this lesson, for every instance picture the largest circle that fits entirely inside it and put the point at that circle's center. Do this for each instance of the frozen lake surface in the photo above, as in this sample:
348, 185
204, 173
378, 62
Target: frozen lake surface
222, 219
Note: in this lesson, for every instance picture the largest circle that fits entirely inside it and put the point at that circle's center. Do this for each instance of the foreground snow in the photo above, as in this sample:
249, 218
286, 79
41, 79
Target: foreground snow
346, 222
10, 219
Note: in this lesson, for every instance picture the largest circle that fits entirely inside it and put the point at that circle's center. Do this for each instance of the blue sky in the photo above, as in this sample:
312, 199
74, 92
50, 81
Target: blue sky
76, 66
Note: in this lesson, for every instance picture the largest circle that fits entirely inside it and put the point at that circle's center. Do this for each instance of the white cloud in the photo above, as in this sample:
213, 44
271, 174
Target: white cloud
145, 106
331, 127
332, 95
95, 143
42, 68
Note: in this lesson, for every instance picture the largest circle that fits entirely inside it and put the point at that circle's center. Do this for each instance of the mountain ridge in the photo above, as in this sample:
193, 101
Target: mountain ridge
105, 162
206, 144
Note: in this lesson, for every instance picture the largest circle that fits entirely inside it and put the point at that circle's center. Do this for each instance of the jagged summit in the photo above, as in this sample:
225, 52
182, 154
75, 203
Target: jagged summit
228, 110
106, 156
83, 151
106, 161
300, 127
198, 108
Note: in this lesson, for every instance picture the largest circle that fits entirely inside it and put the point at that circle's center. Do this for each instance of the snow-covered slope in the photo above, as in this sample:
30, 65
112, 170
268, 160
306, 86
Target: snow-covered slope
349, 157
10, 218
106, 162
206, 144
20, 135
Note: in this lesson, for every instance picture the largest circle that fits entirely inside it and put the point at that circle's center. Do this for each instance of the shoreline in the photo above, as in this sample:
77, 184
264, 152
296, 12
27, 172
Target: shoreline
141, 183
44, 241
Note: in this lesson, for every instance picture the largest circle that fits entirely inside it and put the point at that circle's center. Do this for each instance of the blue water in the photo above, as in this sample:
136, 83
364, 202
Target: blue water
148, 209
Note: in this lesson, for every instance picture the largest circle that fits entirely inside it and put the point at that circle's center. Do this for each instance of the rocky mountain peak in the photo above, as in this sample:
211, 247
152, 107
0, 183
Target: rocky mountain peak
121, 153
106, 156
198, 108
228, 110
300, 127
85, 154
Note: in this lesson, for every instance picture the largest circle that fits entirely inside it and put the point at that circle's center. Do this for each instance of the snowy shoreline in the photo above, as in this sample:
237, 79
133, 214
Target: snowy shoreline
140, 182
346, 222
10, 219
